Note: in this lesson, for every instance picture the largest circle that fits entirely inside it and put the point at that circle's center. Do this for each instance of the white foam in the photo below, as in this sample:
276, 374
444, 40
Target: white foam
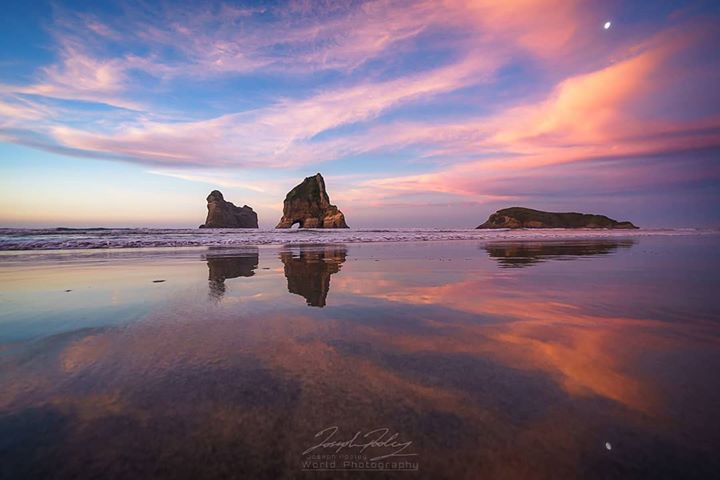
54, 239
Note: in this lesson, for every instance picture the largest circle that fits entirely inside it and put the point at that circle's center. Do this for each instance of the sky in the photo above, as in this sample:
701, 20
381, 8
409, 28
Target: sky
424, 113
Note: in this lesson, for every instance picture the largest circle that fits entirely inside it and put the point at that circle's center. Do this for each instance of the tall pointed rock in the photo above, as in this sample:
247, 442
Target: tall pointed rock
308, 204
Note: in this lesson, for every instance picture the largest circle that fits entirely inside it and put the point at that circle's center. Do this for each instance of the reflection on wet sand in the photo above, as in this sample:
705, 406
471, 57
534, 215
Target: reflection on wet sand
525, 254
308, 271
526, 380
223, 266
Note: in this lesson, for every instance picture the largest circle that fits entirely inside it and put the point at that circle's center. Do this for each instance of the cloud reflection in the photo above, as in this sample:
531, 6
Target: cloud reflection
474, 363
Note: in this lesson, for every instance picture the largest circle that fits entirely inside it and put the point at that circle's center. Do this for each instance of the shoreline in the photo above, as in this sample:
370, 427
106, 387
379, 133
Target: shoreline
177, 241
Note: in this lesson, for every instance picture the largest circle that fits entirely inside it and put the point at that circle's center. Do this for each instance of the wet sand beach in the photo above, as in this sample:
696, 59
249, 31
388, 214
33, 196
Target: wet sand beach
574, 358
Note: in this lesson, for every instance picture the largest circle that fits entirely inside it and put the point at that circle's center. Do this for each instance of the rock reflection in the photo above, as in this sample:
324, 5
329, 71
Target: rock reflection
525, 254
308, 271
226, 265
528, 380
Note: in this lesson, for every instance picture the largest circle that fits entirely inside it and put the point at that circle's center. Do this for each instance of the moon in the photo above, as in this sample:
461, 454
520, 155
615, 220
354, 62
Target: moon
607, 25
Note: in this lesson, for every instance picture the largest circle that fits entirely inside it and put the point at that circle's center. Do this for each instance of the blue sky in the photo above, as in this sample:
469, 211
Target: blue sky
424, 113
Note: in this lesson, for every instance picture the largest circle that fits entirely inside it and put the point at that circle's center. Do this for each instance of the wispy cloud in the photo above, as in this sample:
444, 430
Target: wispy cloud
99, 59
212, 179
278, 135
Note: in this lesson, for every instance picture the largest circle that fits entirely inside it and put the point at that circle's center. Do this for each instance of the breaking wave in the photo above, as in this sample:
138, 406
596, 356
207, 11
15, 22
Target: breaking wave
95, 238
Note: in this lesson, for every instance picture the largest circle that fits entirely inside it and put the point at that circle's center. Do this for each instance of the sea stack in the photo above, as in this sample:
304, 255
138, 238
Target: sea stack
222, 214
308, 204
520, 217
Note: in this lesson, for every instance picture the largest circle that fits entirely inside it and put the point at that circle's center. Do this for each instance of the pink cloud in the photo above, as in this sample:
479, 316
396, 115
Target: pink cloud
273, 136
217, 40
588, 116
79, 76
593, 112
15, 110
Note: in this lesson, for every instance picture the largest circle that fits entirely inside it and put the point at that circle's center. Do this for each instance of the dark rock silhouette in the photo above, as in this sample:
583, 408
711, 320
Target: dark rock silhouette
222, 266
525, 254
308, 204
520, 217
308, 271
222, 214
